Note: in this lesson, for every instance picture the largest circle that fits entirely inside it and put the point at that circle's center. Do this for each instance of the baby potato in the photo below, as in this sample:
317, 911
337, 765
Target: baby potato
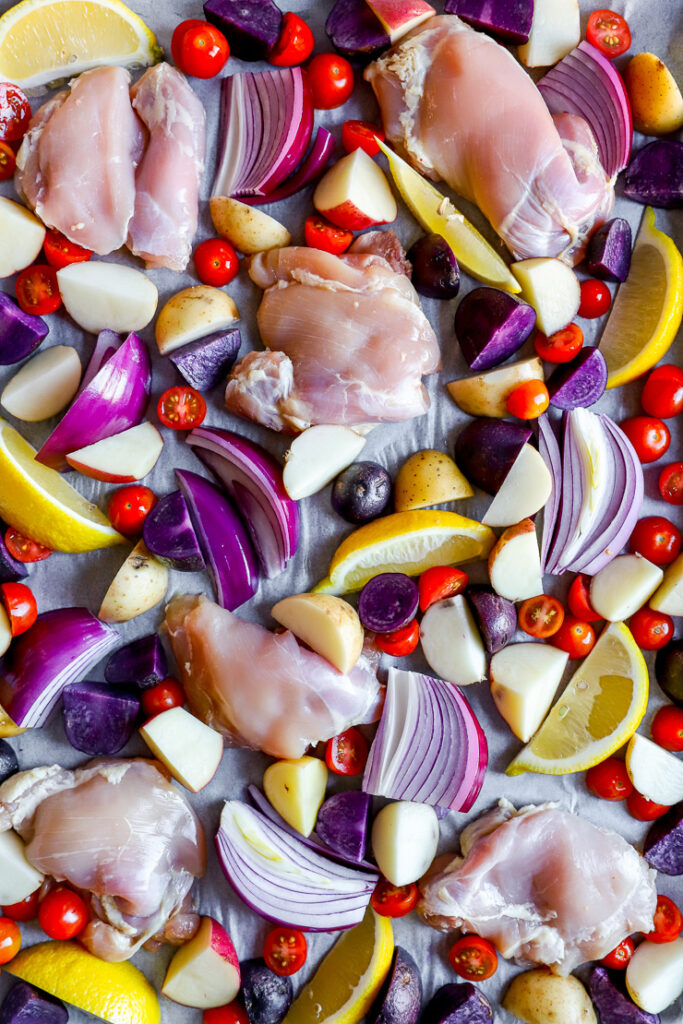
541, 997
139, 584
656, 101
329, 625
485, 394
296, 789
248, 229
428, 478
191, 314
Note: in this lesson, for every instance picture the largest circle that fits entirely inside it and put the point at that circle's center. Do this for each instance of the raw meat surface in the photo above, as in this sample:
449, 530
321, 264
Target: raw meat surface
461, 109
261, 689
545, 886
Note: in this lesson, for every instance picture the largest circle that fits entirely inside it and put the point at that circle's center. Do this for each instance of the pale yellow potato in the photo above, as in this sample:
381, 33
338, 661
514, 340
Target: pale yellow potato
523, 679
486, 393
248, 229
329, 625
296, 789
656, 101
139, 585
668, 598
541, 997
429, 478
191, 314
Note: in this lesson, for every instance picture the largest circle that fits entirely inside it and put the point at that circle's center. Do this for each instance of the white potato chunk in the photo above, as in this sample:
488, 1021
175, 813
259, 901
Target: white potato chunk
552, 288
139, 584
485, 394
555, 31
191, 750
668, 598
515, 563
21, 237
329, 625
247, 228
405, 837
44, 385
296, 789
18, 878
316, 456
524, 678
121, 458
100, 296
524, 491
654, 772
451, 642
624, 586
191, 314
654, 976
541, 997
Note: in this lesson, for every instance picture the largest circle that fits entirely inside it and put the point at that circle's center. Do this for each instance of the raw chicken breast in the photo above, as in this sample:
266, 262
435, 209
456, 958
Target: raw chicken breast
76, 165
458, 106
348, 343
120, 833
261, 689
545, 886
169, 176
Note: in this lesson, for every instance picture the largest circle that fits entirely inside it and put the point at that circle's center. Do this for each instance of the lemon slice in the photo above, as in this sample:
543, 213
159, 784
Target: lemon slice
438, 214
118, 993
43, 41
648, 307
344, 987
408, 542
38, 502
600, 709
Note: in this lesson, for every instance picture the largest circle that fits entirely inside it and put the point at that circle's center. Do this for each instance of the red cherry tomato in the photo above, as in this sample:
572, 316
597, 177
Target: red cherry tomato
656, 539
473, 958
165, 695
23, 549
560, 347
609, 780
649, 436
331, 80
20, 605
670, 483
651, 630
285, 951
216, 262
541, 616
668, 921
579, 600
667, 728
62, 914
231, 1013
178, 33
439, 582
401, 642
295, 44
8, 162
60, 252
24, 910
609, 32
37, 289
320, 234
618, 958
181, 408
10, 939
390, 900
199, 49
662, 394
575, 637
528, 400
347, 753
361, 135
595, 299
15, 113
642, 809
128, 508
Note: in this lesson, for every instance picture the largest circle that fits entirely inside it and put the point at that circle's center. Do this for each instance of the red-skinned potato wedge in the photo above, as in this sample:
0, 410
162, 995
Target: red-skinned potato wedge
354, 194
515, 563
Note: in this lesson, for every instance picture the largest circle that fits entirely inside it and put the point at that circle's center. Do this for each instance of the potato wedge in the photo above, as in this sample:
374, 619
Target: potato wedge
656, 101
486, 393
429, 477
329, 625
191, 314
139, 584
250, 230
296, 789
541, 997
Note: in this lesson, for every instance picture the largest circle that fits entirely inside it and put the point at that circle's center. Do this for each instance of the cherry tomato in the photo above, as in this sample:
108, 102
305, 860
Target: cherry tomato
541, 616
23, 549
231, 1013
656, 539
609, 32
128, 508
649, 436
575, 637
579, 600
37, 289
668, 921
331, 80
10, 939
320, 234
670, 483
8, 162
401, 642
439, 582
642, 809
667, 728
473, 958
347, 753
15, 113
165, 695
609, 780
361, 135
62, 914
390, 900
181, 408
662, 395
216, 262
24, 910
178, 33
20, 605
60, 252
595, 299
285, 951
560, 347
199, 49
295, 44
651, 630
528, 400
618, 958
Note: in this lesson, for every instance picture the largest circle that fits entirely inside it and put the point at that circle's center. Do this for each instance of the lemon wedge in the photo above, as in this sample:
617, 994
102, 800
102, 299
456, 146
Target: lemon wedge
344, 987
44, 41
407, 542
438, 214
38, 502
599, 710
117, 993
648, 307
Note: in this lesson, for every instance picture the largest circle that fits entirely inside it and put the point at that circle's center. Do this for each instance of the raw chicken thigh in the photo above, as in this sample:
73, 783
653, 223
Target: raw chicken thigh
124, 836
261, 689
458, 106
545, 886
348, 343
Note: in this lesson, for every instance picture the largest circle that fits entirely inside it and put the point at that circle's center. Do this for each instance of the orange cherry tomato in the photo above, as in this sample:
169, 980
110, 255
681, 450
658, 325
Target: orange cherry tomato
668, 921
61, 252
473, 958
23, 549
285, 951
347, 753
609, 780
579, 601
20, 605
295, 43
320, 234
401, 642
37, 289
439, 582
10, 939
575, 637
128, 508
62, 914
361, 135
560, 347
181, 408
642, 809
528, 400
619, 957
331, 80
165, 695
390, 900
8, 162
541, 616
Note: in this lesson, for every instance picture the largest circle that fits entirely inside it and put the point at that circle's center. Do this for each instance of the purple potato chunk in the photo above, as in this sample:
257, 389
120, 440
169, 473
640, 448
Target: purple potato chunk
252, 27
495, 615
169, 534
388, 602
24, 1004
655, 175
400, 999
435, 268
491, 325
664, 842
266, 995
609, 251
355, 31
343, 824
206, 362
458, 1004
142, 662
361, 492
98, 721
10, 569
579, 383
669, 671
613, 1006
9, 764
487, 449
20, 333
509, 20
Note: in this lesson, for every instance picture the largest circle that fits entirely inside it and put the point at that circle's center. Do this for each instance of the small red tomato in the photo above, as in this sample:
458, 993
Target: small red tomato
662, 395
24, 910
10, 940
199, 49
609, 780
560, 347
390, 900
347, 753
15, 112
649, 436
439, 582
295, 43
62, 914
128, 508
668, 921
656, 539
608, 32
361, 135
285, 951
178, 33
595, 299
60, 252
331, 80
642, 809
667, 728
181, 408
670, 483
320, 234
37, 289
20, 605
8, 162
579, 600
23, 549
651, 630
575, 637
528, 400
618, 958
401, 642
231, 1013
473, 958
541, 616
216, 262
165, 695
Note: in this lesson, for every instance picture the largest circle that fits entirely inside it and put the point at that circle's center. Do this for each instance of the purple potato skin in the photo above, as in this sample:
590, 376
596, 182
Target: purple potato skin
388, 602
435, 268
664, 842
20, 333
361, 492
205, 363
655, 175
267, 997
458, 1004
10, 569
169, 534
486, 450
495, 615
355, 31
609, 251
612, 1005
251, 27
400, 999
142, 662
98, 720
9, 765
23, 1004
343, 823
579, 383
509, 20
491, 325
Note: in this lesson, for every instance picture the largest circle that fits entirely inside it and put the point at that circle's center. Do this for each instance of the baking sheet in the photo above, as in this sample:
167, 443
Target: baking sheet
62, 580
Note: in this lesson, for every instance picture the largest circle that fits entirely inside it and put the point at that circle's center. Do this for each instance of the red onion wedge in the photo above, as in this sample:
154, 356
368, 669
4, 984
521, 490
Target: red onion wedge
105, 347
283, 880
58, 649
309, 171
550, 453
429, 747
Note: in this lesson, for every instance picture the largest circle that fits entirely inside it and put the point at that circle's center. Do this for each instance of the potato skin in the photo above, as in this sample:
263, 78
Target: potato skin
541, 997
656, 102
429, 477
486, 394
248, 229
193, 313
139, 584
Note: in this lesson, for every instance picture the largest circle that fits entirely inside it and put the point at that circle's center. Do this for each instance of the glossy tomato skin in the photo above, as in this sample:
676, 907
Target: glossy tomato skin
667, 728
656, 539
199, 48
649, 436
37, 289
651, 630
595, 299
20, 605
23, 549
295, 44
390, 900
231, 1013
8, 162
320, 234
609, 780
128, 508
541, 616
285, 951
529, 400
178, 33
15, 112
642, 809
10, 939
60, 252
181, 408
62, 914
668, 921
24, 910
216, 262
401, 642
165, 695
670, 483
575, 637
331, 80
662, 394
361, 135
560, 347
608, 32
439, 582
619, 957
473, 958
347, 753
578, 599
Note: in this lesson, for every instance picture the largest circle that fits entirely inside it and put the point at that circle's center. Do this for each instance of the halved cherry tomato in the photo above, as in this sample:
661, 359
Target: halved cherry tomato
575, 637
401, 642
216, 262
295, 43
62, 913
20, 605
37, 289
560, 347
231, 1013
128, 508
609, 780
662, 395
24, 910
347, 753
10, 939
670, 483
60, 252
181, 408
667, 728
651, 630
473, 958
579, 600
609, 32
320, 234
331, 80
8, 162
528, 400
285, 951
595, 299
15, 112
648, 435
390, 900
642, 809
656, 539
165, 695
439, 582
23, 549
619, 957
199, 48
541, 616
668, 921
361, 135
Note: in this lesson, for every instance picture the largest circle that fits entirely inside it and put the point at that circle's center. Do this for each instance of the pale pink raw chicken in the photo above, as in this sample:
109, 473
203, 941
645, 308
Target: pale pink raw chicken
545, 886
262, 689
461, 109
348, 343
120, 833
168, 178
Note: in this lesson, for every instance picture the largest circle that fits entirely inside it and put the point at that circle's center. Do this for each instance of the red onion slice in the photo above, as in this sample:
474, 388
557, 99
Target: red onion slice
311, 169
550, 453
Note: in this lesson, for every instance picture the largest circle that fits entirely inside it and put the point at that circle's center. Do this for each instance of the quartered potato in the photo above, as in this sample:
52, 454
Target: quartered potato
540, 997
428, 478
656, 101
139, 584
193, 313
248, 229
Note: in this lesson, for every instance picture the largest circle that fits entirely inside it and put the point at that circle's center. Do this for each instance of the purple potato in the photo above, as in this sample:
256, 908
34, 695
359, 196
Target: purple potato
20, 333
355, 31
487, 449
579, 383
613, 1006
609, 251
361, 492
388, 602
669, 671
9, 764
205, 363
98, 721
435, 268
24, 1004
142, 662
10, 569
664, 842
343, 823
400, 999
495, 615
509, 20
458, 1004
266, 995
491, 325
252, 27
169, 534
655, 175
